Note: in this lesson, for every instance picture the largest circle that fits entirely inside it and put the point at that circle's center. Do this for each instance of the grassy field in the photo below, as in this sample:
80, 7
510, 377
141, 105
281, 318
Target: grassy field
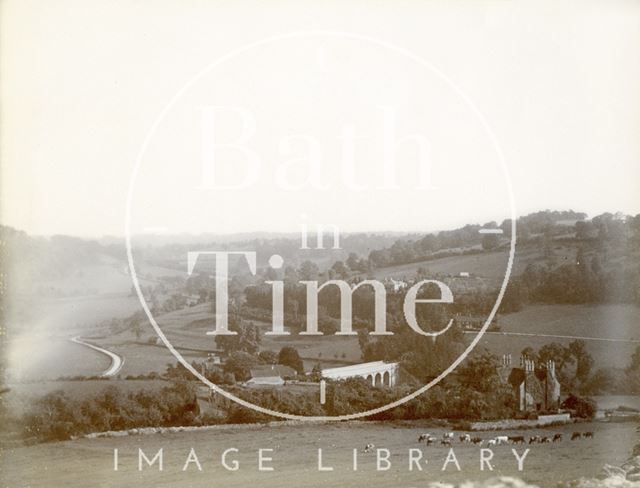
491, 265
617, 325
186, 329
89, 462
39, 347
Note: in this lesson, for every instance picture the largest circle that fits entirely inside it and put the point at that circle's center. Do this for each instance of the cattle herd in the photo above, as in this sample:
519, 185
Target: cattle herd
447, 439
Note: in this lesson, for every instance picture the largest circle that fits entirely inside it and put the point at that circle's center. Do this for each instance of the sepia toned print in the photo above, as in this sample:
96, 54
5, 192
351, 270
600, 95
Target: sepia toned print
320, 245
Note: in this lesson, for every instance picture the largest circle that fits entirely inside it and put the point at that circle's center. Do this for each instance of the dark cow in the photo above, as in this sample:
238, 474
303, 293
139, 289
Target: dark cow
557, 437
576, 435
477, 441
588, 435
516, 439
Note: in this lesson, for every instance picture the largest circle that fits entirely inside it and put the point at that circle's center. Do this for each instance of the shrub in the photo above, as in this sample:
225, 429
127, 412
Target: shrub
580, 407
58, 417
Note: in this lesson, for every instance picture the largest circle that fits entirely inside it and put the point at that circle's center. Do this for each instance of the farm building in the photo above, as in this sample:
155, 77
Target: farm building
273, 375
536, 387
378, 373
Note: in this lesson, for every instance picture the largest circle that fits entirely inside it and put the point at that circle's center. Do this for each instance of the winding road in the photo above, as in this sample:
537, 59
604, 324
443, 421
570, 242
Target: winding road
116, 361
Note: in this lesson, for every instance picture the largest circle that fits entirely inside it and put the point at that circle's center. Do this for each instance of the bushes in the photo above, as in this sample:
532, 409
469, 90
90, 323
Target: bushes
580, 407
58, 417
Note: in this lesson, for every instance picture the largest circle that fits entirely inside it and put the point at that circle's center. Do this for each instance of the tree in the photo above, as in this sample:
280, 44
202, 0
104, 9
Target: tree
136, 327
340, 270
291, 275
557, 353
289, 356
316, 373
633, 373
268, 357
270, 274
490, 241
581, 263
479, 392
239, 364
582, 407
479, 372
247, 339
584, 361
308, 271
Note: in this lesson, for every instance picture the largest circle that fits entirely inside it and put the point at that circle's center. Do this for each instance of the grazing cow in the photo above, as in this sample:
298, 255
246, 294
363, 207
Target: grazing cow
491, 442
588, 435
465, 438
369, 448
431, 440
446, 442
502, 439
545, 440
447, 435
576, 435
535, 438
557, 437
476, 441
516, 439
423, 437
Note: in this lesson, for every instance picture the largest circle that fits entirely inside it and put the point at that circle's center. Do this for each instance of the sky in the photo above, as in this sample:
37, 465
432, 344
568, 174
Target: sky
508, 105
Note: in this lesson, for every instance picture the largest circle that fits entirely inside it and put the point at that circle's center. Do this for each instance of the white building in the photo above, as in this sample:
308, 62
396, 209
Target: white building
270, 375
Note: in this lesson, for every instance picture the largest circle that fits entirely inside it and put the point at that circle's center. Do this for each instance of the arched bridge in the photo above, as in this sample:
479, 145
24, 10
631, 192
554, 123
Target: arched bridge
378, 373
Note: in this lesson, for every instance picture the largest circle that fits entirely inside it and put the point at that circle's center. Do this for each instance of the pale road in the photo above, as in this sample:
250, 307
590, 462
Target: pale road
556, 336
116, 361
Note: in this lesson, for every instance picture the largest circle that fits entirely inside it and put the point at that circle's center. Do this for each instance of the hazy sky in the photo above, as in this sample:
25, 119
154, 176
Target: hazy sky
83, 82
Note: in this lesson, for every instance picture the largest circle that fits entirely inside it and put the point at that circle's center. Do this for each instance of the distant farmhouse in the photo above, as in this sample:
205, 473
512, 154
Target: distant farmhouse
536, 387
271, 375
378, 373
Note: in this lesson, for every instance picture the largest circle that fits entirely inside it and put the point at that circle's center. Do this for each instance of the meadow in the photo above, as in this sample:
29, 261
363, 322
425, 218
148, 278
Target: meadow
612, 332
489, 265
89, 462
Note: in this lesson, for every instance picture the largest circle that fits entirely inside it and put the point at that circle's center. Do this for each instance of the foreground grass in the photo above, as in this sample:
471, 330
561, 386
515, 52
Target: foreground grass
89, 462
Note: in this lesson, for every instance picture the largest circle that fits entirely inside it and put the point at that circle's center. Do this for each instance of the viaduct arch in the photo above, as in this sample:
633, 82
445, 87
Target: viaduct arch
377, 373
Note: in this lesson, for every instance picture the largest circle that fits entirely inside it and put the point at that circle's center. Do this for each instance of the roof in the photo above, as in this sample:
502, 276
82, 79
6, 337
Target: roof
267, 380
272, 371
